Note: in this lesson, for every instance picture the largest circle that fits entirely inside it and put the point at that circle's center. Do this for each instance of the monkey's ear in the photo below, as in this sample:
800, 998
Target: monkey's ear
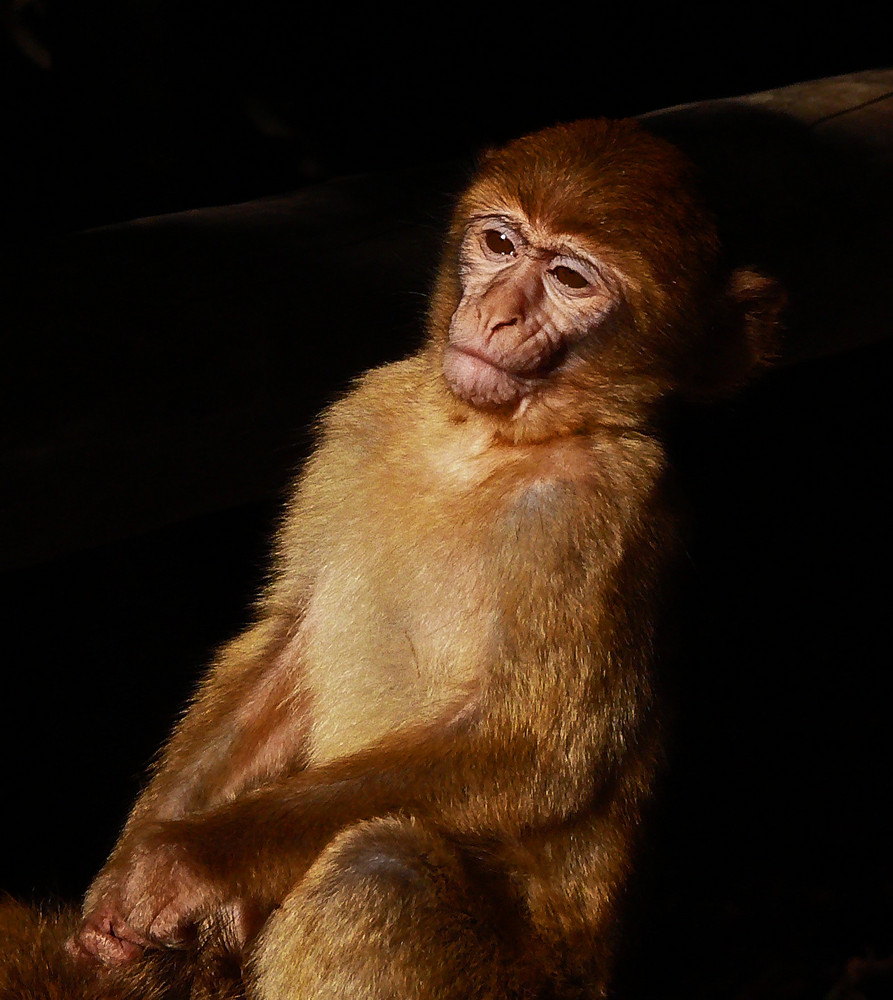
746, 334
756, 303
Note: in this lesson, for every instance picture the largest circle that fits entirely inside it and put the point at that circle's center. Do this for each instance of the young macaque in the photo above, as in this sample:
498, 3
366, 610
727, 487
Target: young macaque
421, 772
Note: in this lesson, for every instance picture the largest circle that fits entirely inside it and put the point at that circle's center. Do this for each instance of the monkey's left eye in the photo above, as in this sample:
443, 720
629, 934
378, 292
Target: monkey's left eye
569, 277
498, 242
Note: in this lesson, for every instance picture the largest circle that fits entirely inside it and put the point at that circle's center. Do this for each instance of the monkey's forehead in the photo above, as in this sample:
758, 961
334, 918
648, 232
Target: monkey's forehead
591, 148
595, 176
587, 204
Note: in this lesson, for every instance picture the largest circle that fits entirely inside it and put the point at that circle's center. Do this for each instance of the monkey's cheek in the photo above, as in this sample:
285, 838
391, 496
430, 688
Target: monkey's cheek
479, 383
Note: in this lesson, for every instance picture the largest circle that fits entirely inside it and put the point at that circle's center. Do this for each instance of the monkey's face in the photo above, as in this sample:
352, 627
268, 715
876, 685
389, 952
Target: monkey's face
583, 283
575, 281
531, 304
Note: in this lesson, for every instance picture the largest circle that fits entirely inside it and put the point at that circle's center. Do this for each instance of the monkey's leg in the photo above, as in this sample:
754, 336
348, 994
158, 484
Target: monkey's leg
388, 912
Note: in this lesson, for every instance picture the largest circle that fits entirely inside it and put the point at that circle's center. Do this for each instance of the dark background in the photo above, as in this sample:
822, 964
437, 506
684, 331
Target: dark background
769, 863
118, 109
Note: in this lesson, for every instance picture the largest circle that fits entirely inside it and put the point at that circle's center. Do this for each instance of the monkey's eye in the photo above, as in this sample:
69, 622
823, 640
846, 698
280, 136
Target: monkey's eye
498, 242
569, 277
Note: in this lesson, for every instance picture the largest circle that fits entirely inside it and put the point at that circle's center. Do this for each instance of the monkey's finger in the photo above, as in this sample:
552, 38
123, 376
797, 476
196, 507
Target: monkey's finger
99, 942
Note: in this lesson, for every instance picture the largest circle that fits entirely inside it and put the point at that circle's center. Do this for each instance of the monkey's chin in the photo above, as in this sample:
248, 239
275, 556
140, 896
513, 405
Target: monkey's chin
479, 382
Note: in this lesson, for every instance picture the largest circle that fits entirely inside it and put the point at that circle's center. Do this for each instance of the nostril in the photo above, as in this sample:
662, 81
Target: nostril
504, 322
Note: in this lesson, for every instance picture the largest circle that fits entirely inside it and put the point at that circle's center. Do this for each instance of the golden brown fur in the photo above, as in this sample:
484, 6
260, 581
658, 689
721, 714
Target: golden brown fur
421, 772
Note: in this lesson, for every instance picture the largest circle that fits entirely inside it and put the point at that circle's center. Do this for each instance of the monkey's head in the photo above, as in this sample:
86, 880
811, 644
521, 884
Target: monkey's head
583, 282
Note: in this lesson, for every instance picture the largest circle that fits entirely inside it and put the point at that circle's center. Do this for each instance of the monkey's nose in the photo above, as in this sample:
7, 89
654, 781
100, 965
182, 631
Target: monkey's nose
500, 324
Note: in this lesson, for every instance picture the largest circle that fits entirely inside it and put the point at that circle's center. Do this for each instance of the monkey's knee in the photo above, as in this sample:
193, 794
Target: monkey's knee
383, 913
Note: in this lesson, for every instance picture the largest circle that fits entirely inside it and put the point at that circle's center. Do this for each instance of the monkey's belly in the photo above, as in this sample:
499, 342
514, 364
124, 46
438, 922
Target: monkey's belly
389, 656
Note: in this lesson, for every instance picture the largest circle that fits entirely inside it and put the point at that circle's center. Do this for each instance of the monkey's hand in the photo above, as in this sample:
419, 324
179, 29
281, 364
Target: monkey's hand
154, 892
104, 936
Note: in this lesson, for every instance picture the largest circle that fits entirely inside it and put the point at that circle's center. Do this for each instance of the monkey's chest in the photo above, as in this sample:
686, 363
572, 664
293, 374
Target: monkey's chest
396, 632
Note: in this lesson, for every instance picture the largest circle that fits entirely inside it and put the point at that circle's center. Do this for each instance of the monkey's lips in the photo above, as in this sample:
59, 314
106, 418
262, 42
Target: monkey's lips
481, 381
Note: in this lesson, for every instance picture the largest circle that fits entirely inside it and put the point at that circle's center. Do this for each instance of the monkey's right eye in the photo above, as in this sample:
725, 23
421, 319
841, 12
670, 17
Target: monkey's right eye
498, 242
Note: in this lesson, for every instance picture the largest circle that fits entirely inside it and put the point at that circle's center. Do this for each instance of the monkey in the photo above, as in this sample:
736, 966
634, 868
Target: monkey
422, 770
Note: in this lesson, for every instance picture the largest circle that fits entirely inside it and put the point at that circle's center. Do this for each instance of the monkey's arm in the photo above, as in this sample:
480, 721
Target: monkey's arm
231, 738
222, 744
248, 720
499, 775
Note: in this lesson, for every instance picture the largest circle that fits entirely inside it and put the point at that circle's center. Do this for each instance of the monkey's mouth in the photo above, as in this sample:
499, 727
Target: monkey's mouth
485, 383
479, 380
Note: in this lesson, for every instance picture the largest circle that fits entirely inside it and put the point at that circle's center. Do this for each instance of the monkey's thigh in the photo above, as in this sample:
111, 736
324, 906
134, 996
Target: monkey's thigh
387, 911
